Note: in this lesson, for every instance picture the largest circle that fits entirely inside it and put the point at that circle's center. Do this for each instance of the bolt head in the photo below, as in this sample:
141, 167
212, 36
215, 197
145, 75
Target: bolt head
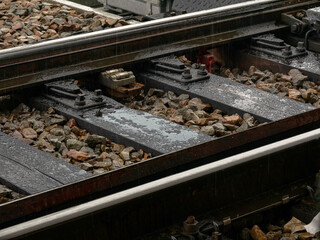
81, 97
98, 92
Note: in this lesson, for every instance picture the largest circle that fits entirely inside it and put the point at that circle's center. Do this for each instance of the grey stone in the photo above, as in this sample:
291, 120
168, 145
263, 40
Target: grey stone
93, 140
219, 127
243, 127
75, 144
86, 166
87, 150
209, 130
4, 191
56, 143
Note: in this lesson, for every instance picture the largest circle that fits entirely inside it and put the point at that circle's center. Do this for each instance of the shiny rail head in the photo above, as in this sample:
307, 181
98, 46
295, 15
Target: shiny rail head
151, 187
153, 23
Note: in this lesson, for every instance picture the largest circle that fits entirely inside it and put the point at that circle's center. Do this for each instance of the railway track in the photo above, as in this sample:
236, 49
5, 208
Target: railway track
126, 117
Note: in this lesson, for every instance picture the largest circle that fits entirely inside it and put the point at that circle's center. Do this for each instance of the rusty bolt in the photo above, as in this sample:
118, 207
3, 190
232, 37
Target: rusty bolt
191, 226
80, 100
186, 73
300, 47
202, 70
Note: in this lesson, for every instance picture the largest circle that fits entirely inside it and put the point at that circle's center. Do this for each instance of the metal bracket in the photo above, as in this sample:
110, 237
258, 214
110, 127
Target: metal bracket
69, 94
175, 70
296, 26
274, 46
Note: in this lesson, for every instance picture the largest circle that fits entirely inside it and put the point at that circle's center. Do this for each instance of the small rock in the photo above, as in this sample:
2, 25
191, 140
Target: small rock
177, 119
105, 165
57, 132
202, 121
274, 235
58, 121
219, 127
257, 234
71, 123
297, 77
87, 150
93, 140
125, 153
244, 126
16, 134
252, 70
29, 133
234, 119
116, 165
86, 166
117, 147
156, 92
4, 191
98, 171
199, 104
114, 157
294, 94
305, 236
231, 127
209, 130
79, 156
74, 144
50, 110
285, 78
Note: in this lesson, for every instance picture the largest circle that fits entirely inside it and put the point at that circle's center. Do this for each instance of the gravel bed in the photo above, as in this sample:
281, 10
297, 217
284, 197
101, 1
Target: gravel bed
291, 230
293, 85
7, 195
30, 21
56, 135
193, 113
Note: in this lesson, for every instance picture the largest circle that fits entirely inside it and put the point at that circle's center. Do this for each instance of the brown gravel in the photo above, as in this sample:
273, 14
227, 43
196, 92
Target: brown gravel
192, 113
293, 85
54, 134
7, 195
25, 22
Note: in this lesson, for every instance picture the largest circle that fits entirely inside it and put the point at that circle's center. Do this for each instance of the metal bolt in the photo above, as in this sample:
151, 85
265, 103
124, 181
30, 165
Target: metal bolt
98, 95
287, 51
98, 113
191, 226
296, 28
202, 70
80, 100
300, 47
186, 73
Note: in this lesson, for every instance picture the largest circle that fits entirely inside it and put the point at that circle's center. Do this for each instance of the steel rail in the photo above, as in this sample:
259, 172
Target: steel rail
152, 23
94, 52
155, 186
